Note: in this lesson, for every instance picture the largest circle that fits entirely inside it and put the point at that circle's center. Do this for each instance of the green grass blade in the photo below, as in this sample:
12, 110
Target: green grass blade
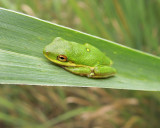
22, 39
66, 116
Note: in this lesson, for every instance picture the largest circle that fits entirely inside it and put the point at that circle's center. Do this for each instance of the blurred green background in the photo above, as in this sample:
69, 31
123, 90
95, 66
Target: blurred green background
134, 23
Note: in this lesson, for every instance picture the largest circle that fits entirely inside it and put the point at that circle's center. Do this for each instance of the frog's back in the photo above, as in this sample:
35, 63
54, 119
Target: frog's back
80, 54
86, 54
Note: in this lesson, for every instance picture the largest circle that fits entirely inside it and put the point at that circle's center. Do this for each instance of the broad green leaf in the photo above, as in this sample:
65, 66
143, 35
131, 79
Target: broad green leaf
22, 39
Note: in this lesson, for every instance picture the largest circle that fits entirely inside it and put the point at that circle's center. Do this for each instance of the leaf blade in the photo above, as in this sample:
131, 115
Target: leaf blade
22, 39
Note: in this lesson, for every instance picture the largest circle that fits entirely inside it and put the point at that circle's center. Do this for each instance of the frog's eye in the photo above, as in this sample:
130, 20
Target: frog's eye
62, 58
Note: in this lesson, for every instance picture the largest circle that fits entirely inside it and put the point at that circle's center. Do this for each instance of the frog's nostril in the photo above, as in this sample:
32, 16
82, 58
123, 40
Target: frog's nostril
46, 52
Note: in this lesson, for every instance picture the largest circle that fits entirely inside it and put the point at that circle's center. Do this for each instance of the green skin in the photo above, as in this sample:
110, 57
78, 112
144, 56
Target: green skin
84, 60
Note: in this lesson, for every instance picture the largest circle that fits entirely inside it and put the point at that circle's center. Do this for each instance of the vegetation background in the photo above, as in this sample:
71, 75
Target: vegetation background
133, 23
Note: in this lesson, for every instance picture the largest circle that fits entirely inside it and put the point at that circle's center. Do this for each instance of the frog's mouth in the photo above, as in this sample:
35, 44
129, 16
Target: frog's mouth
64, 64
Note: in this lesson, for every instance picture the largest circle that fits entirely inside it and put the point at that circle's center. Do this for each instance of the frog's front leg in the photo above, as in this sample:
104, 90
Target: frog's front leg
83, 71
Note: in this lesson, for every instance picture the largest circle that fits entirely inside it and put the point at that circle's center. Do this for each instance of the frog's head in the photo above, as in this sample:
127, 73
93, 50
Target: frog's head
57, 52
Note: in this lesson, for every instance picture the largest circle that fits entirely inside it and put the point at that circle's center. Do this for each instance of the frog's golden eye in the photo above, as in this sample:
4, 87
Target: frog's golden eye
62, 58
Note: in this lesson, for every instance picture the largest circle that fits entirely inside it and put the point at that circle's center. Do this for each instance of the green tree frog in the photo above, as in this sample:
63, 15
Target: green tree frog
80, 59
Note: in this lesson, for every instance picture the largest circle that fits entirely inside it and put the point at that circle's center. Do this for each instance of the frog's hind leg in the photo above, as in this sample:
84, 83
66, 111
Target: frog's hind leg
103, 72
83, 71
97, 72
